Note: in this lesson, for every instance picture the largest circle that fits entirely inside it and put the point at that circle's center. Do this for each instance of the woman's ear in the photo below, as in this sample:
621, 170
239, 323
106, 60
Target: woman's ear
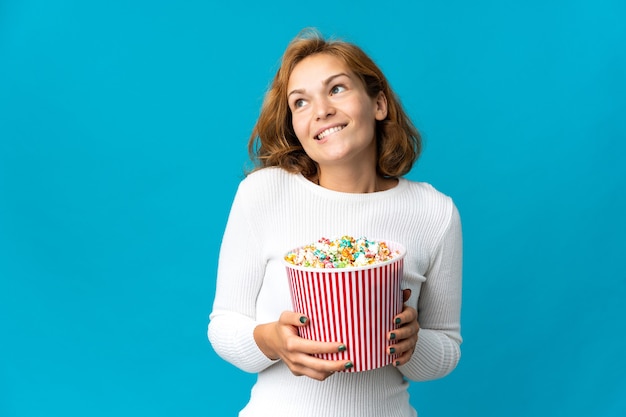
381, 106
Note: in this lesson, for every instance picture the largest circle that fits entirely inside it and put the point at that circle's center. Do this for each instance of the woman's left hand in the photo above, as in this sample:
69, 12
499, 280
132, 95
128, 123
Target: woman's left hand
406, 334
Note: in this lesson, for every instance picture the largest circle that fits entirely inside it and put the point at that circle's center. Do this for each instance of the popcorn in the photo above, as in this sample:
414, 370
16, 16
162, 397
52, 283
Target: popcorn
342, 252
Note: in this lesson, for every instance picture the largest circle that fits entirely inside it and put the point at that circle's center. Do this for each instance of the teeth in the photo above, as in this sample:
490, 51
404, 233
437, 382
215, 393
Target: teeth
329, 131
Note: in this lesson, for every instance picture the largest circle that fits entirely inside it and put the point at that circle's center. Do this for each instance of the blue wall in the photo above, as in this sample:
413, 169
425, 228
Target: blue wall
123, 131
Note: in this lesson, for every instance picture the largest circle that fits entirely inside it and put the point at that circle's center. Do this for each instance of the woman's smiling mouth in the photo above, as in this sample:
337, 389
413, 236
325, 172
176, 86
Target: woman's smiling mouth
328, 131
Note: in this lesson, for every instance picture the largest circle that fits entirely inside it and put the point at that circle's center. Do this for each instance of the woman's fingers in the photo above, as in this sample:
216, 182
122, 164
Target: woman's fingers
406, 335
298, 353
299, 344
293, 319
317, 368
408, 315
303, 361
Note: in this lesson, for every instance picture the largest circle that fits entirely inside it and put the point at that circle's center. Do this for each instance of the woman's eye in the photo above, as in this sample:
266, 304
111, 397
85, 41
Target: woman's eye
337, 89
298, 103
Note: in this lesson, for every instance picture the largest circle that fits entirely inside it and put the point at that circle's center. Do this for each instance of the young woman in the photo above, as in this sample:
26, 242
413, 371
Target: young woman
331, 146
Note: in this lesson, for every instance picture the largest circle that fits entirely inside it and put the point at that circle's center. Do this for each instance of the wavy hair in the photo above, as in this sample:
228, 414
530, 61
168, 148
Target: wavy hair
273, 141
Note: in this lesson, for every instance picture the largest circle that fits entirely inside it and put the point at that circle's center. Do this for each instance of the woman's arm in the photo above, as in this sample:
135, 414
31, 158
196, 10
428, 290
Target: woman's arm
239, 278
437, 351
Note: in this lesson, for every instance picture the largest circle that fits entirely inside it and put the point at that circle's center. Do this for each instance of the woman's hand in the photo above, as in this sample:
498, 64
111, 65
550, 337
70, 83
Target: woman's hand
280, 340
406, 334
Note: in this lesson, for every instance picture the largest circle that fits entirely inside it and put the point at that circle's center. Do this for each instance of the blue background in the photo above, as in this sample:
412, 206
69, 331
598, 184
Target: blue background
123, 131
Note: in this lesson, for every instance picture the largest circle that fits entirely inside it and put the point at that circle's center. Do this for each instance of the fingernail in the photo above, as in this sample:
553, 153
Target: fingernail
398, 320
392, 336
302, 319
342, 348
348, 365
397, 363
392, 350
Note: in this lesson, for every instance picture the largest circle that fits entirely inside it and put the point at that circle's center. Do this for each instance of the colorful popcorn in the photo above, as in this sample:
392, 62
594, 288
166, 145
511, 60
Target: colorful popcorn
343, 252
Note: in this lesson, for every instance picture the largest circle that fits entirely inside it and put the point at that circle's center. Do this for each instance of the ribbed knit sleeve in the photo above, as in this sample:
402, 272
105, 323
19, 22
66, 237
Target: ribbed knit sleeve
240, 276
438, 351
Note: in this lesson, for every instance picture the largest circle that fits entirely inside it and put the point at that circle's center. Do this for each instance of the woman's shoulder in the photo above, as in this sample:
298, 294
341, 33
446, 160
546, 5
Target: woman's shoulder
426, 190
433, 204
268, 175
270, 181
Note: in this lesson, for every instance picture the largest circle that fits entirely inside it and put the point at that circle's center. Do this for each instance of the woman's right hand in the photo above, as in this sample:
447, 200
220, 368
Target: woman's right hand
280, 340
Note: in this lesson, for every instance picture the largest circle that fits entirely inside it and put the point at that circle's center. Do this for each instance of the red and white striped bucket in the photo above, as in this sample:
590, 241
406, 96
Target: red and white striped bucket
353, 305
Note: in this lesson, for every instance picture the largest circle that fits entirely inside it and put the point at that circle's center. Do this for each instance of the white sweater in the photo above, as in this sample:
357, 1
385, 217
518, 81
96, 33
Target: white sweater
274, 211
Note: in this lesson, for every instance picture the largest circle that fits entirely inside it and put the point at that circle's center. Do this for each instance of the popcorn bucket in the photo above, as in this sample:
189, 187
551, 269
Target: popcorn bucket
352, 305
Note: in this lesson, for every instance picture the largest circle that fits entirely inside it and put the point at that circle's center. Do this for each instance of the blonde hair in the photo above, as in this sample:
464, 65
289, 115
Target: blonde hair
273, 141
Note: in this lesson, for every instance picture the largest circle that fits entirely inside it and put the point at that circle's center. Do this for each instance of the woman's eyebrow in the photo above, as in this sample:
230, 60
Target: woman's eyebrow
324, 82
332, 77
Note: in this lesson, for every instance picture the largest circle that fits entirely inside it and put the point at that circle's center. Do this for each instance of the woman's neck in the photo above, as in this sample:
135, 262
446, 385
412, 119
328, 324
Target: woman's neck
348, 181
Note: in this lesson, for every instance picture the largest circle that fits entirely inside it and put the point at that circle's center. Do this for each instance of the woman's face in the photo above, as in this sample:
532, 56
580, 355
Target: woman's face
332, 114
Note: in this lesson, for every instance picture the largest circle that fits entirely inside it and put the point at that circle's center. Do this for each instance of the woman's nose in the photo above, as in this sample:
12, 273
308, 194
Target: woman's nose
323, 108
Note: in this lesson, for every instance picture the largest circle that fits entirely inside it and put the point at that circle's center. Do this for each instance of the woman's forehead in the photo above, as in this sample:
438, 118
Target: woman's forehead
316, 70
